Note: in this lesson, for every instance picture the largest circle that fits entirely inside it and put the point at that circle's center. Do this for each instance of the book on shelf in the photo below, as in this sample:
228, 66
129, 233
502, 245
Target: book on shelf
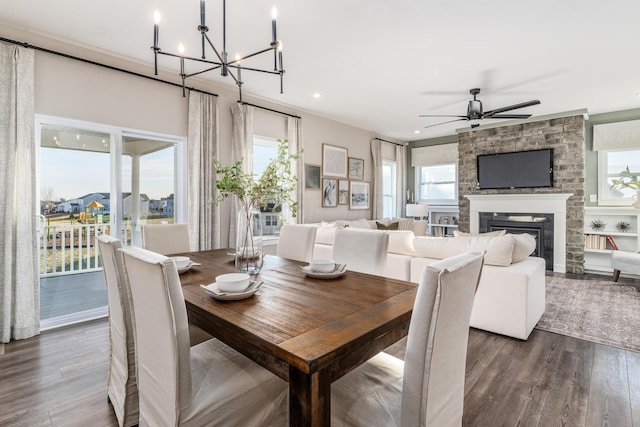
595, 241
612, 243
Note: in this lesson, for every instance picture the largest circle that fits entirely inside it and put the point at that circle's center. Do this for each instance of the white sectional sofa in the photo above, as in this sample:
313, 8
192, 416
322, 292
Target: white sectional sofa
511, 295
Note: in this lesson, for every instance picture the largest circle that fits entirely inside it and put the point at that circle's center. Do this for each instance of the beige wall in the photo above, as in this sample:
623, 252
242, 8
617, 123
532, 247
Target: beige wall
75, 90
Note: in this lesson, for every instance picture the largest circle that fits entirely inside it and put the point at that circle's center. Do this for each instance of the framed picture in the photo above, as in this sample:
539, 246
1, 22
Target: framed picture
334, 161
311, 176
356, 168
343, 192
359, 195
329, 192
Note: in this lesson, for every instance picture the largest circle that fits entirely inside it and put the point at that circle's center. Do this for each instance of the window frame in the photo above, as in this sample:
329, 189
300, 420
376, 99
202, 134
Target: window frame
603, 181
394, 188
418, 185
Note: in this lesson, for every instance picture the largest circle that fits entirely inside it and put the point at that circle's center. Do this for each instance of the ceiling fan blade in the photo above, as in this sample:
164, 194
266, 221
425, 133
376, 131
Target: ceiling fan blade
441, 115
450, 121
509, 116
511, 107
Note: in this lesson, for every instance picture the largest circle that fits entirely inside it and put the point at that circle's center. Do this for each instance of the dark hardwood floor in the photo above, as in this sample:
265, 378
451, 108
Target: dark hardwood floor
59, 379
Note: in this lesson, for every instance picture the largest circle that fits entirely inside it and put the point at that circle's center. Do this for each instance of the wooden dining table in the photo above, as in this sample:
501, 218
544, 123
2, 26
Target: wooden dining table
307, 331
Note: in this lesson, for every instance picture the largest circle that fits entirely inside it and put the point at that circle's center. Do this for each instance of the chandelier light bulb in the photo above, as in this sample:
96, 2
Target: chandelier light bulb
280, 46
181, 49
238, 57
157, 17
274, 13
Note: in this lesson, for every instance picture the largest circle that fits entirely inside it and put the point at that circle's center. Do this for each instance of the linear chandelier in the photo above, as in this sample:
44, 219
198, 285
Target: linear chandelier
222, 63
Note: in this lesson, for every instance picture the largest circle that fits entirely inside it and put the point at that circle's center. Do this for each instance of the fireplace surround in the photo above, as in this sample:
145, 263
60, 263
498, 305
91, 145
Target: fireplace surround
543, 203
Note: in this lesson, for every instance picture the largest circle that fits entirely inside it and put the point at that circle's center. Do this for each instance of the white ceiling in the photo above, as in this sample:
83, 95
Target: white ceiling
378, 64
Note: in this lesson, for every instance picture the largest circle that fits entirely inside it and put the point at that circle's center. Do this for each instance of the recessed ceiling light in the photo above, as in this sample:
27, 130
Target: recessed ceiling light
316, 95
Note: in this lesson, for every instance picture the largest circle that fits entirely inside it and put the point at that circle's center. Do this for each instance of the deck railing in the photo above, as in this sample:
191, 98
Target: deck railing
70, 249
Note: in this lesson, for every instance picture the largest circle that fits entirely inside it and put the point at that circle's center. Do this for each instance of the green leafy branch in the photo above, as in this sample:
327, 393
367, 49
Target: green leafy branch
275, 185
627, 180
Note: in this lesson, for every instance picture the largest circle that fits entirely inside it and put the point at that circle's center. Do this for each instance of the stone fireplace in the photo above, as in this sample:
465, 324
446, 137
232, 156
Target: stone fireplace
546, 205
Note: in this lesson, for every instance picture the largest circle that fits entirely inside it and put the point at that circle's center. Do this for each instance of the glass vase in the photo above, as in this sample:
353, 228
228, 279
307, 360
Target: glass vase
249, 241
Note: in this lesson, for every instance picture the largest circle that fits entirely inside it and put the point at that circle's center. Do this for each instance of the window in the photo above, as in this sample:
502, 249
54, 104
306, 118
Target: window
265, 149
610, 164
388, 189
437, 184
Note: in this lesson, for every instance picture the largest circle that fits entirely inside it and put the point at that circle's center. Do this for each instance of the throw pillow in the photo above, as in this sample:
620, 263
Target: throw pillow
457, 233
392, 226
524, 246
401, 242
405, 224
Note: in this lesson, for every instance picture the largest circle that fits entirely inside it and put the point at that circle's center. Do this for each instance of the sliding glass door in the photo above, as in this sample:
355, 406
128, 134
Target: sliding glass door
95, 180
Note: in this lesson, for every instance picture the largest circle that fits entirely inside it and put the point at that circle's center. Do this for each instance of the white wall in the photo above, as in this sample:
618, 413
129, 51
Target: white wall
76, 90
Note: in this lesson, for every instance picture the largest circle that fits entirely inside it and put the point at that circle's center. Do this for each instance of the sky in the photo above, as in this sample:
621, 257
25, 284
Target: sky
70, 174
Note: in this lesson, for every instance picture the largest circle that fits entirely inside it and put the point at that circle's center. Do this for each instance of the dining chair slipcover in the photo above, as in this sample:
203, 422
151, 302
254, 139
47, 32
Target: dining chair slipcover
296, 242
121, 379
205, 385
364, 251
166, 239
427, 389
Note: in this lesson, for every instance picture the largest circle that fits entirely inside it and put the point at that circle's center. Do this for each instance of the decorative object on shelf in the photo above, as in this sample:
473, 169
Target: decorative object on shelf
623, 226
222, 63
417, 210
598, 224
272, 189
628, 180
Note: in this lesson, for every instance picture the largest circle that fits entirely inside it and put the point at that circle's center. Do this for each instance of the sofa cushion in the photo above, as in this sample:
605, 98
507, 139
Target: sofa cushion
390, 226
499, 249
457, 233
360, 223
401, 242
524, 245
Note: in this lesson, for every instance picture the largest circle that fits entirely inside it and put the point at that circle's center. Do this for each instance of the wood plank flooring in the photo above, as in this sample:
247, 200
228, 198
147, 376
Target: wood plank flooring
59, 379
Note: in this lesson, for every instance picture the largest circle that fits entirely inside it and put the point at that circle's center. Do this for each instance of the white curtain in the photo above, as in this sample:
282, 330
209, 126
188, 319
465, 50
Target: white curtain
376, 154
202, 146
241, 149
401, 179
19, 277
294, 136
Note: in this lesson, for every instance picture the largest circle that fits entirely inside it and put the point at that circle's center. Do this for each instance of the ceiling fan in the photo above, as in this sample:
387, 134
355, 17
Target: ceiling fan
475, 112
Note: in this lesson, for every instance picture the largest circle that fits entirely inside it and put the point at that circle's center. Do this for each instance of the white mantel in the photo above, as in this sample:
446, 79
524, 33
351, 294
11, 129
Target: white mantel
548, 203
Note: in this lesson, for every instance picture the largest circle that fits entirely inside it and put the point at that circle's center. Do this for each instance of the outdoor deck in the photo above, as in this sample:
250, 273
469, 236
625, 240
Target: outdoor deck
72, 298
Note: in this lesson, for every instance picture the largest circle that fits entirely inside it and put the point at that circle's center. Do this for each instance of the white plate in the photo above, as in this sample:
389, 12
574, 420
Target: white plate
187, 268
212, 290
337, 272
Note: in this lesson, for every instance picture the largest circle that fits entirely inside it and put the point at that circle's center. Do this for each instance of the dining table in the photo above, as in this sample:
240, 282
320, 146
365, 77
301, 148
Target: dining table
308, 331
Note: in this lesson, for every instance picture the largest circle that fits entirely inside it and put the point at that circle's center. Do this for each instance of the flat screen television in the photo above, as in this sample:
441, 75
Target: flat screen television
521, 169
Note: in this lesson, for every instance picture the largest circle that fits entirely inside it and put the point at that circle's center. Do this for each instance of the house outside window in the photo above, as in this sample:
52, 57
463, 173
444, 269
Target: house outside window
388, 189
265, 149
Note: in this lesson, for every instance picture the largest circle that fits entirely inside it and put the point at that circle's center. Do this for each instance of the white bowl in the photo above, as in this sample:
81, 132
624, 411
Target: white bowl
233, 282
322, 265
181, 261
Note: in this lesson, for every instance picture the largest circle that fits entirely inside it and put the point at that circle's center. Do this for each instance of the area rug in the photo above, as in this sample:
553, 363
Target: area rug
599, 311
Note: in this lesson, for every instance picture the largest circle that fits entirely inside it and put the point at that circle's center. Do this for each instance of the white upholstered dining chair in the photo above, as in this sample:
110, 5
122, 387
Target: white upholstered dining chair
166, 239
364, 251
122, 388
427, 389
296, 242
208, 384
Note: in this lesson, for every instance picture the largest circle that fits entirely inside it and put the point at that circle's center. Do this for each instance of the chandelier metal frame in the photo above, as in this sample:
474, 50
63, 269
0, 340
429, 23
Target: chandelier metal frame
226, 67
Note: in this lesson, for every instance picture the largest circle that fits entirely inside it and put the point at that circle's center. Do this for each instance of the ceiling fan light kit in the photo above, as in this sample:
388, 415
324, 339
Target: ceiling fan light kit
475, 111
222, 63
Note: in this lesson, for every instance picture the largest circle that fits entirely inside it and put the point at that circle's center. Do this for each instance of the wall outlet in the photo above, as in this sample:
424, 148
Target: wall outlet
593, 198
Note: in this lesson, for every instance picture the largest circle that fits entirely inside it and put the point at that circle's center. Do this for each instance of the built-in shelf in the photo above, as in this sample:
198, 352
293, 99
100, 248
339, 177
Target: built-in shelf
599, 260
443, 220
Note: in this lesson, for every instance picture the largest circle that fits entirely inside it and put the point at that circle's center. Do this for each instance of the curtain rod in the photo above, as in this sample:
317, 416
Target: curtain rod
402, 144
270, 109
110, 67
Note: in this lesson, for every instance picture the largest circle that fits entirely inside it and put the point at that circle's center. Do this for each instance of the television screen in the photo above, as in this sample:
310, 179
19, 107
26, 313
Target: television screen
521, 169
